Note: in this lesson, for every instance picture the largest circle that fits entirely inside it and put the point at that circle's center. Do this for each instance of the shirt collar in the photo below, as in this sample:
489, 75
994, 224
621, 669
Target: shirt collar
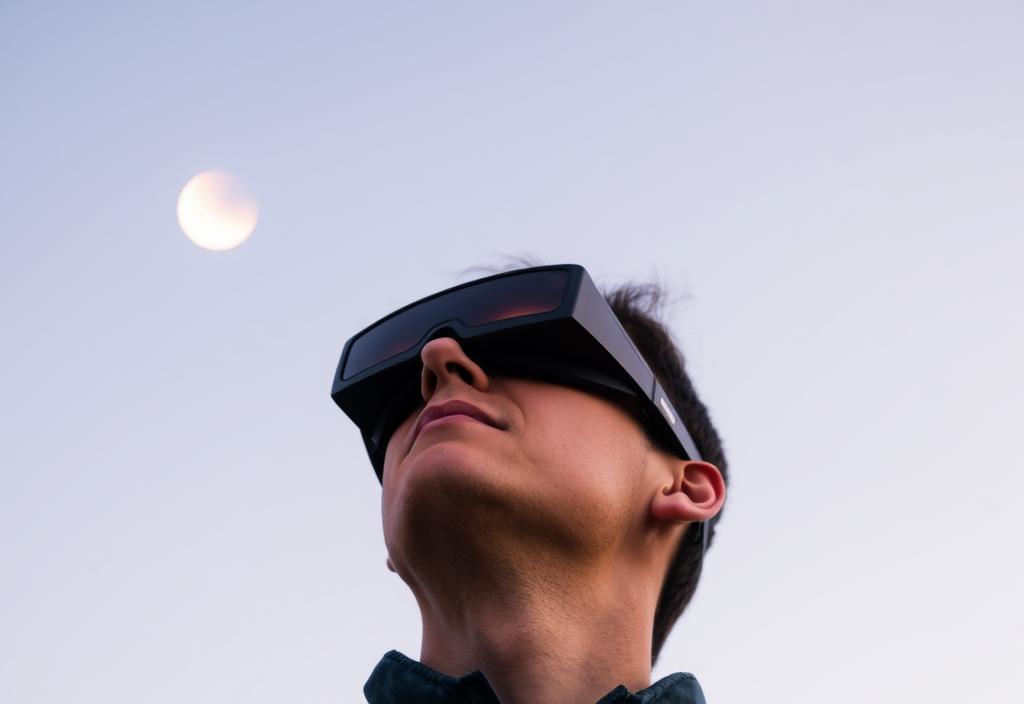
399, 679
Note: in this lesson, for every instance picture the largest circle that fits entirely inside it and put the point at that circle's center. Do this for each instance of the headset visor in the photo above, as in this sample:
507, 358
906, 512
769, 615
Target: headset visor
486, 302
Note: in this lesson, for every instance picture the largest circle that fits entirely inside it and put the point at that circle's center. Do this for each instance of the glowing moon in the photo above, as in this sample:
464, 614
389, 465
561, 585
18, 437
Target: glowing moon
216, 211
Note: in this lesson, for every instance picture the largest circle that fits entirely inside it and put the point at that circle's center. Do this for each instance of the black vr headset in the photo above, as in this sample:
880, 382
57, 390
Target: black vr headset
545, 322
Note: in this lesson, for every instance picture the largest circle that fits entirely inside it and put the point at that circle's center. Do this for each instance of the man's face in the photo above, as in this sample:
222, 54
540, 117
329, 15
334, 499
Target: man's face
565, 469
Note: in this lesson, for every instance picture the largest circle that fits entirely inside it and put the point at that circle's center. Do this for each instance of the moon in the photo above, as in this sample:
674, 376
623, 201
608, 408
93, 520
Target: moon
216, 210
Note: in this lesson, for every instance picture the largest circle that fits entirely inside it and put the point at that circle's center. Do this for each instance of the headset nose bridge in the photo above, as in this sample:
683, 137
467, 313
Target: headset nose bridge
445, 329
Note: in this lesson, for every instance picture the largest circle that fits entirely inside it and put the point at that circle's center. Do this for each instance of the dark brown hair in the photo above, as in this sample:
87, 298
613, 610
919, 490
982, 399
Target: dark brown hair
638, 306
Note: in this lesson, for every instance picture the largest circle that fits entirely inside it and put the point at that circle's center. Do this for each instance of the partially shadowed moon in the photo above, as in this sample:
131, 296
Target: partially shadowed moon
216, 211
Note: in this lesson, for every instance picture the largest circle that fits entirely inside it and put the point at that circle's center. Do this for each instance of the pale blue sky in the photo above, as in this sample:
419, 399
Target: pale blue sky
834, 190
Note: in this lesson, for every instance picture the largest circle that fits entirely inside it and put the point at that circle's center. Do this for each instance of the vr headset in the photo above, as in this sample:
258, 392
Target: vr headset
545, 322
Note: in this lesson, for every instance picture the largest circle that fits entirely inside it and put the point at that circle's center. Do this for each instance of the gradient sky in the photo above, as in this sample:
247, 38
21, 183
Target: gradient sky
834, 192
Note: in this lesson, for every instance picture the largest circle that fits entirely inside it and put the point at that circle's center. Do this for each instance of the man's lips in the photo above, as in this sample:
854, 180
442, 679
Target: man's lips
447, 419
451, 411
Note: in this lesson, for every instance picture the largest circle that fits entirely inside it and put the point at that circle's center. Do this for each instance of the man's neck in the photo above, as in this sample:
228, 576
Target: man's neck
546, 635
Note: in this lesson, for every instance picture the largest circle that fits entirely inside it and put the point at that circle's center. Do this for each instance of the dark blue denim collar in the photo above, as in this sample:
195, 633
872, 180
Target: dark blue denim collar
398, 679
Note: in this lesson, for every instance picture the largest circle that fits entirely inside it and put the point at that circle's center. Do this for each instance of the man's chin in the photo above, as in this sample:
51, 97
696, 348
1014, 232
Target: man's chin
450, 485
450, 469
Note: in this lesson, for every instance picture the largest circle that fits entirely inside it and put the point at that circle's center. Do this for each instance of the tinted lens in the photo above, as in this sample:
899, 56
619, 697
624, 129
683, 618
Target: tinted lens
473, 305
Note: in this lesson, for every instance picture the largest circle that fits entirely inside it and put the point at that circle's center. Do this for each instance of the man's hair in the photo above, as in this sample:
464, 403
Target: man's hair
638, 307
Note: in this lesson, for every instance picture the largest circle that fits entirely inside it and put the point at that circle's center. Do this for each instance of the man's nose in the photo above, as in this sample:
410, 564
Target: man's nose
445, 362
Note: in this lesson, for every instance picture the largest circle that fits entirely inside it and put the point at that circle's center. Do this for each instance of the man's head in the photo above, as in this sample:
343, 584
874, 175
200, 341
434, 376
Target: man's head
560, 477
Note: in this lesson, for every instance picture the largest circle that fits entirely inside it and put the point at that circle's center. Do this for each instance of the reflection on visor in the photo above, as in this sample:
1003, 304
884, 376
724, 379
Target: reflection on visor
478, 304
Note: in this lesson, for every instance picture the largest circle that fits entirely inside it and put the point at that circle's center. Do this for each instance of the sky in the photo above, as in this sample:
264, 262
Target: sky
832, 193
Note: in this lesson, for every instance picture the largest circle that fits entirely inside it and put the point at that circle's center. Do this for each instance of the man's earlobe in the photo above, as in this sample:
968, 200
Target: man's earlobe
695, 492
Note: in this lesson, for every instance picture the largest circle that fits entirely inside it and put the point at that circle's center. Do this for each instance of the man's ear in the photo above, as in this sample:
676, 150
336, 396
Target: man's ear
694, 491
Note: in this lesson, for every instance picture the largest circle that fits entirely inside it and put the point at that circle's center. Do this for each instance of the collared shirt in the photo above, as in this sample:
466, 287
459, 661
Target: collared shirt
398, 679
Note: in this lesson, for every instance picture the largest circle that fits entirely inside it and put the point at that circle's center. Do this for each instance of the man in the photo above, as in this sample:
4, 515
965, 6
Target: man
545, 529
